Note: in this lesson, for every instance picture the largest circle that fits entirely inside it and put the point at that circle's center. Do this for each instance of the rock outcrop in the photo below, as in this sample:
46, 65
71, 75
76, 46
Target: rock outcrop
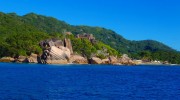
105, 61
55, 55
95, 60
113, 60
138, 62
67, 43
21, 59
166, 62
6, 59
77, 59
90, 37
33, 58
126, 60
56, 51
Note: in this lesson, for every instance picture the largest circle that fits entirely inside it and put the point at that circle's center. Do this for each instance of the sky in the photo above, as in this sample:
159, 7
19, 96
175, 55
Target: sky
133, 19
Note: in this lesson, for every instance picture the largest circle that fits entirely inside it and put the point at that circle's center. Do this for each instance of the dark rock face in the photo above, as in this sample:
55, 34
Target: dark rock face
51, 42
56, 51
95, 60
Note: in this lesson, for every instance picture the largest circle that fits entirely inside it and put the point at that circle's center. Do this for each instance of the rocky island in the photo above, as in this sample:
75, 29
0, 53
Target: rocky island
40, 39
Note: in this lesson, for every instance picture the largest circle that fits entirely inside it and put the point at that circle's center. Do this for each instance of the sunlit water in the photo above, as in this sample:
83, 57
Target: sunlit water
83, 82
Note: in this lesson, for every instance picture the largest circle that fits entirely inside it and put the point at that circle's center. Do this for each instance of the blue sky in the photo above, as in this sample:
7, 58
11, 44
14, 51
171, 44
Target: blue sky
133, 19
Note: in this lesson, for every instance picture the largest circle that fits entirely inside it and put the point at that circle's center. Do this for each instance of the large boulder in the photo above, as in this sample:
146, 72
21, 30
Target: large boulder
33, 58
56, 51
105, 61
61, 52
77, 59
126, 60
59, 61
21, 59
95, 60
6, 59
54, 55
113, 60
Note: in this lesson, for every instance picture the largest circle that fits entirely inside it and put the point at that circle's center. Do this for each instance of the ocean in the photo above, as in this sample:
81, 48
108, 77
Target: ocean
88, 82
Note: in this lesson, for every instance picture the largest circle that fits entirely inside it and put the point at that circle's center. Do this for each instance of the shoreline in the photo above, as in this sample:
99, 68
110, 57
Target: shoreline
79, 60
96, 64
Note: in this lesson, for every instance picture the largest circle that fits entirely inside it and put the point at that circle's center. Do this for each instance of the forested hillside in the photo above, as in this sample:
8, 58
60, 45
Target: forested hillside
20, 35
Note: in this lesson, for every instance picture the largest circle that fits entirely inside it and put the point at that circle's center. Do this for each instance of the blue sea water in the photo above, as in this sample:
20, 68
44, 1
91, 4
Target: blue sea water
88, 82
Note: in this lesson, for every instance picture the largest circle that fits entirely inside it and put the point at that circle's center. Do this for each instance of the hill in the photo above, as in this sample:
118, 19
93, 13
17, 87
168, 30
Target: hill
22, 35
51, 25
16, 32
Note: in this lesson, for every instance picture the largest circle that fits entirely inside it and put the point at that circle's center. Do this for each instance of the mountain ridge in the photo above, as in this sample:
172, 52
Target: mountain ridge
76, 29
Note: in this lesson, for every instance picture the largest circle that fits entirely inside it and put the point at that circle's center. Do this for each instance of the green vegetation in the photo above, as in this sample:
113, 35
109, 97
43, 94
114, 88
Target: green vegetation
172, 57
20, 35
18, 38
86, 48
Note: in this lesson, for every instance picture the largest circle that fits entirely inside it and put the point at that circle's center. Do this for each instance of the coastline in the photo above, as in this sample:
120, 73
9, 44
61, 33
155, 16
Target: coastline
143, 64
124, 60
